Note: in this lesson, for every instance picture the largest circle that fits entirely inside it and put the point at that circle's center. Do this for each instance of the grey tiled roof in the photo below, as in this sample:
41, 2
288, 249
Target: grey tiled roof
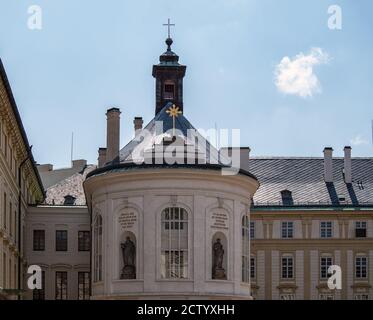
72, 186
160, 127
304, 177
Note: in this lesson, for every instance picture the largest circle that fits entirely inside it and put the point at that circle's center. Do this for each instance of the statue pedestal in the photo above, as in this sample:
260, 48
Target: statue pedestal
219, 274
128, 272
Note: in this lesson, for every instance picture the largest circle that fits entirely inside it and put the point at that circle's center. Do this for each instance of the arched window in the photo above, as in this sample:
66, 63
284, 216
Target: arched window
174, 243
97, 250
246, 262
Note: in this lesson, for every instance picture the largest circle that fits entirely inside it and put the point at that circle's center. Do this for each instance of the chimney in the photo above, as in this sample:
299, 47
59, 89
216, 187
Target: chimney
138, 122
101, 157
347, 165
328, 164
112, 135
79, 163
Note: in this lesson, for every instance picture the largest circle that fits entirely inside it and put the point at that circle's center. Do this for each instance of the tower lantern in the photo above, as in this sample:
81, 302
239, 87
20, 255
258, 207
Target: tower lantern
169, 76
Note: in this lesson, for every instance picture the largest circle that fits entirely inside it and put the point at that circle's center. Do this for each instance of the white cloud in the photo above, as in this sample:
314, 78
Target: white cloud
358, 140
296, 75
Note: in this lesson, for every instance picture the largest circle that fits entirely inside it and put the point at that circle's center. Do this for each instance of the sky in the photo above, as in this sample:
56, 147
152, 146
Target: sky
271, 68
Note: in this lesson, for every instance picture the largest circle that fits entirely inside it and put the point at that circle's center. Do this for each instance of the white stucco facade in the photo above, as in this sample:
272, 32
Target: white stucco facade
131, 202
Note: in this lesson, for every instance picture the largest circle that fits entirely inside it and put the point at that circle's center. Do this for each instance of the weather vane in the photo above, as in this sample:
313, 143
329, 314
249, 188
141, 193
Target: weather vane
174, 113
169, 25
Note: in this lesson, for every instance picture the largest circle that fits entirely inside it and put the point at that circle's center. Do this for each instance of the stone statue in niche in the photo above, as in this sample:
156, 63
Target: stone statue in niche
129, 256
218, 271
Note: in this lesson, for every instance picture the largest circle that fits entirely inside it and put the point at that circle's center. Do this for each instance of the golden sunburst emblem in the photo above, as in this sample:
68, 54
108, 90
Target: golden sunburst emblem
174, 112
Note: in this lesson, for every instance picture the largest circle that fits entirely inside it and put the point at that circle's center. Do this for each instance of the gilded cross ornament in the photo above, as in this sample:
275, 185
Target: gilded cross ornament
173, 112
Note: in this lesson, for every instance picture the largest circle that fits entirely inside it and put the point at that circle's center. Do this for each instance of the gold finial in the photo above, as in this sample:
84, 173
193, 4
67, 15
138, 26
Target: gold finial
174, 113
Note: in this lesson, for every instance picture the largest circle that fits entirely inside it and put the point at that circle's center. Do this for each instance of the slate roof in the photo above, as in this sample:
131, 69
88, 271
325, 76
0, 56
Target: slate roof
71, 186
134, 150
304, 178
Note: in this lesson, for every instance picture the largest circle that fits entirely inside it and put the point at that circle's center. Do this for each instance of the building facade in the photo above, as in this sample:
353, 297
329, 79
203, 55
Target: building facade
158, 219
20, 187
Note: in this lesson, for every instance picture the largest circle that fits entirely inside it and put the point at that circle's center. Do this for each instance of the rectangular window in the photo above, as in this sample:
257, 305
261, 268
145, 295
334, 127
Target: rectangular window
39, 240
83, 284
326, 296
287, 296
61, 285
252, 229
287, 228
252, 268
326, 229
361, 263
39, 294
325, 263
360, 229
169, 91
84, 238
61, 240
361, 296
287, 267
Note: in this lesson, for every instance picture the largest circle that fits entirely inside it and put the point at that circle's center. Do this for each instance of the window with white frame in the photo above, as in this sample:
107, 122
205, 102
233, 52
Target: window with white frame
97, 260
287, 229
287, 296
287, 267
246, 234
325, 263
174, 243
361, 264
360, 229
361, 296
326, 229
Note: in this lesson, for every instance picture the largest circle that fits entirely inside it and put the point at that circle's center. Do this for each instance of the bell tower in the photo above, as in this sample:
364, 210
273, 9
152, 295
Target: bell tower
169, 76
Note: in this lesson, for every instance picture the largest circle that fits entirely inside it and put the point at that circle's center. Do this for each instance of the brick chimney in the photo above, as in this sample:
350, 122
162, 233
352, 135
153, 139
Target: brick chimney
101, 157
112, 136
328, 164
138, 122
347, 165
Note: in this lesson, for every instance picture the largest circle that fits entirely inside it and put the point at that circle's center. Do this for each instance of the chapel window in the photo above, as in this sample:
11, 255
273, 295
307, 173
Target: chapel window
174, 243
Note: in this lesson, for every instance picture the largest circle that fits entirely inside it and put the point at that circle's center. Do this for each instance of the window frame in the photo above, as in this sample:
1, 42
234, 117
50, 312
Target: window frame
287, 270
61, 244
361, 225
175, 260
326, 229
61, 293
84, 242
38, 243
84, 286
287, 229
39, 294
323, 268
361, 269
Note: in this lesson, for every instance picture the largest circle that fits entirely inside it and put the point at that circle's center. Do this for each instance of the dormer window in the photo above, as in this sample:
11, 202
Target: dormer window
169, 90
69, 200
287, 198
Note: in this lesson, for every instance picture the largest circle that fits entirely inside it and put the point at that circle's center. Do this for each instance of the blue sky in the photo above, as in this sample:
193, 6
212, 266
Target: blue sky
92, 55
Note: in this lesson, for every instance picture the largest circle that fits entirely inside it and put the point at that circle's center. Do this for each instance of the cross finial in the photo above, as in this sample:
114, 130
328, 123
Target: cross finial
169, 25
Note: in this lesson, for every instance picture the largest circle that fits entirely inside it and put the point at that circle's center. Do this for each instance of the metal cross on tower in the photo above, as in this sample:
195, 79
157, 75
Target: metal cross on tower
169, 25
